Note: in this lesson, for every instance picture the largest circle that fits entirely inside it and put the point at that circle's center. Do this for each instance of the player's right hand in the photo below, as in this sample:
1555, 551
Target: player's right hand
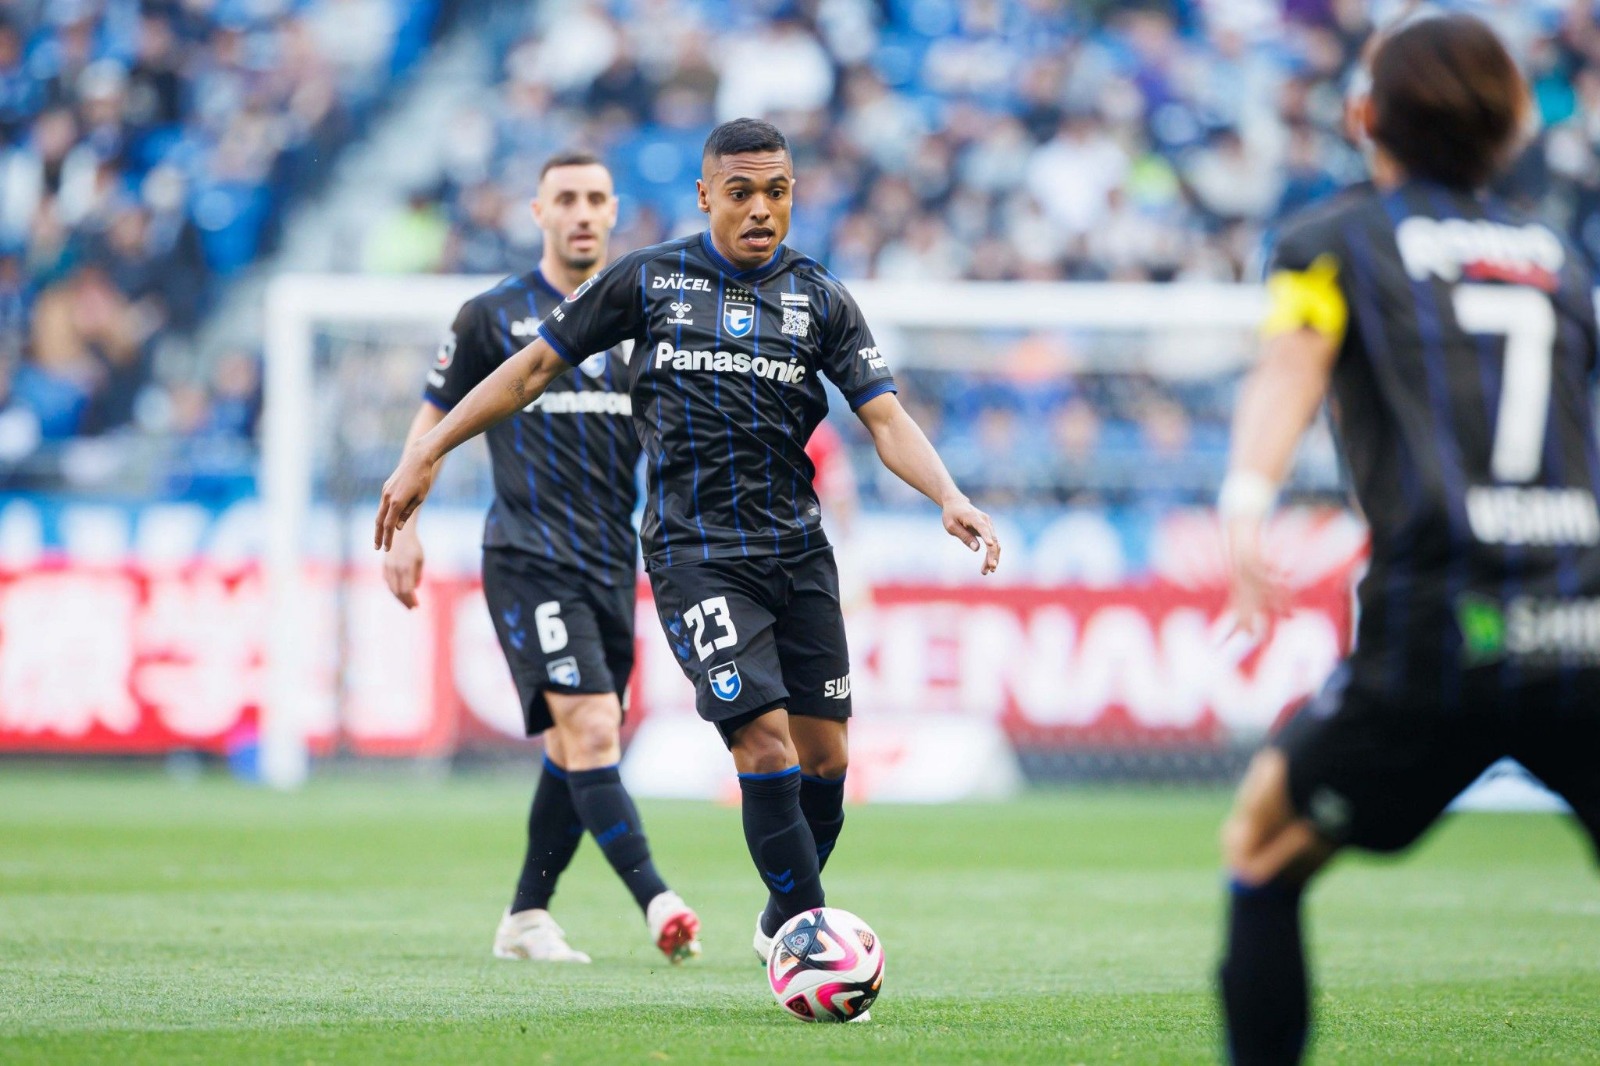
974, 529
403, 493
1257, 592
402, 567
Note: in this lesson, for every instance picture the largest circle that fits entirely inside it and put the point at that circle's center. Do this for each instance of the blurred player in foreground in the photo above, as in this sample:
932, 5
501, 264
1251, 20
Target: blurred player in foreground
1458, 342
733, 332
558, 566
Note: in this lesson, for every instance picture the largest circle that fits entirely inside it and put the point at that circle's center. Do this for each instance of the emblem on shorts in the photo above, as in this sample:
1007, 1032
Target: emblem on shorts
738, 318
725, 684
564, 671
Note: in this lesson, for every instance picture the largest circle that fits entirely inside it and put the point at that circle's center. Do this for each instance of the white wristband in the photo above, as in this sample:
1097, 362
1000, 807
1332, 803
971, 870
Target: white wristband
1246, 494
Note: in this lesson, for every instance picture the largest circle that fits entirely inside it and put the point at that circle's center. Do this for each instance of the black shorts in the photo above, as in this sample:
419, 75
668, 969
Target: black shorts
756, 634
1376, 771
560, 632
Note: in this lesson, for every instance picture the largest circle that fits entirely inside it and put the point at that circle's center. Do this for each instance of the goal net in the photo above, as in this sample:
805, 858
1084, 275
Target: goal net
1091, 420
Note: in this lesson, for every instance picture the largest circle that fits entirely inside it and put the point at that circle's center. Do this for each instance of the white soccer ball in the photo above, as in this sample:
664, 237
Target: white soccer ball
826, 965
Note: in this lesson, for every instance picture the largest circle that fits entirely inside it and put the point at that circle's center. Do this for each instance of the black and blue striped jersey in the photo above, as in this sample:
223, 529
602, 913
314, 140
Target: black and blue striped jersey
726, 385
564, 468
1462, 398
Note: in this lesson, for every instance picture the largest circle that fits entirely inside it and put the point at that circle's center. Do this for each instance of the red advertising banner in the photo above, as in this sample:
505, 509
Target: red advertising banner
147, 660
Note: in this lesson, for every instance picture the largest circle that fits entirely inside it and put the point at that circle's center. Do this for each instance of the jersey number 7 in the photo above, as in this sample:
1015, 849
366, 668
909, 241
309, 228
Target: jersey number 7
1525, 317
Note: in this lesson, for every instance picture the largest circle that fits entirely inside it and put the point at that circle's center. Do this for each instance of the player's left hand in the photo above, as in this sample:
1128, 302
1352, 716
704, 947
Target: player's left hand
403, 493
973, 528
1257, 591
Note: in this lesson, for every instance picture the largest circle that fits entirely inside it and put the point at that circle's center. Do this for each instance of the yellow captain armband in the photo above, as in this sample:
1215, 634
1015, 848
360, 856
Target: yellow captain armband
1308, 299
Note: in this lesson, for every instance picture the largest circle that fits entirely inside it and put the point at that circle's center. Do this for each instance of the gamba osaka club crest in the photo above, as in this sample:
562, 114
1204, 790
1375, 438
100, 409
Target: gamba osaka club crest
738, 318
725, 684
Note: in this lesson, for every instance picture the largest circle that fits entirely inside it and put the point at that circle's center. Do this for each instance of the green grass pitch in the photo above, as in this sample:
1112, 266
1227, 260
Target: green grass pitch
147, 920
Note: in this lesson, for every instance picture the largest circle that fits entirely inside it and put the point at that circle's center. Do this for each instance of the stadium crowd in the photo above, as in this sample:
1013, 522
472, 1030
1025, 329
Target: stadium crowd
981, 139
148, 151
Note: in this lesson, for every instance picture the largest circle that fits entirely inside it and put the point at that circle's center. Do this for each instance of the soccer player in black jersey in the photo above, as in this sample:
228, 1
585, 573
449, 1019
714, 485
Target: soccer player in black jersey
1455, 343
732, 334
558, 565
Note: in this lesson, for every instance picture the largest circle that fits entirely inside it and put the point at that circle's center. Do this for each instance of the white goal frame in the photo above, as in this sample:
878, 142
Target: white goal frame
296, 305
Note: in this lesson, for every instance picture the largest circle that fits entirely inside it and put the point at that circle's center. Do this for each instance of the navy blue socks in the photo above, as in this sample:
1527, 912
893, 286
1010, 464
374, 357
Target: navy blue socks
554, 831
822, 803
781, 844
608, 813
1263, 976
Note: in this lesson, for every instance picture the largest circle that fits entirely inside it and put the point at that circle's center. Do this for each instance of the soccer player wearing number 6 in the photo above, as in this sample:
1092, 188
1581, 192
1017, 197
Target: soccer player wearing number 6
1456, 343
733, 333
559, 566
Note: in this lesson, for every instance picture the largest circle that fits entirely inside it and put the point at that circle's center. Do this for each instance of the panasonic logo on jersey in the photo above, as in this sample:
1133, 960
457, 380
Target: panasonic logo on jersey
670, 358
583, 403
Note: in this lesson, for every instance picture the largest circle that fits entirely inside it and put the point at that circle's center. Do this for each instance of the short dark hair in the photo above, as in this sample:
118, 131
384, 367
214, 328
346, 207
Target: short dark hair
574, 157
743, 135
1447, 99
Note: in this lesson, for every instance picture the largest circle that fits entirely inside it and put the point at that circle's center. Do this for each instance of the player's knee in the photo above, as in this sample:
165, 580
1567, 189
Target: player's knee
1261, 812
764, 745
589, 728
831, 765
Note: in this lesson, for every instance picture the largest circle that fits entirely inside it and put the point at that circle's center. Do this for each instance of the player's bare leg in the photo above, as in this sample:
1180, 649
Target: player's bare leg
775, 829
1271, 853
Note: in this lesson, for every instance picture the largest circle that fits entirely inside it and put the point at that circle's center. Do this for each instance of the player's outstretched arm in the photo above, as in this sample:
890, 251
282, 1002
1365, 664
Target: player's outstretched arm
402, 563
1276, 404
513, 385
905, 450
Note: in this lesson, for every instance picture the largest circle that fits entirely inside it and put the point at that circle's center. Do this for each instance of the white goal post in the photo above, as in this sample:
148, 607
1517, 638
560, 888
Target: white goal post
297, 305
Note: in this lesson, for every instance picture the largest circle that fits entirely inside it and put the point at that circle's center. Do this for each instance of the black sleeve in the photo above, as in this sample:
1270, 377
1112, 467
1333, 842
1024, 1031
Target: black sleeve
606, 310
467, 356
850, 355
1301, 241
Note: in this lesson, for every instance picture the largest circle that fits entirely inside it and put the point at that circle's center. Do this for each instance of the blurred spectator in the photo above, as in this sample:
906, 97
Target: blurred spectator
411, 240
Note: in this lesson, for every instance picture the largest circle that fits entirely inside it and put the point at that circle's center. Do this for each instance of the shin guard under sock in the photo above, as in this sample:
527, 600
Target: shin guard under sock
822, 803
781, 844
554, 832
608, 813
1263, 976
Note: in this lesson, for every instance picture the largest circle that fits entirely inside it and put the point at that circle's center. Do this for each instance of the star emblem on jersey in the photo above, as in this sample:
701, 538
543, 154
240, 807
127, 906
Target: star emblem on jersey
796, 323
563, 671
725, 684
738, 318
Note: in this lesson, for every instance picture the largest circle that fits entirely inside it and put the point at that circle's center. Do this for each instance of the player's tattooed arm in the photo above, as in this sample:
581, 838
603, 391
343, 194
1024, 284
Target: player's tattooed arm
906, 451
513, 385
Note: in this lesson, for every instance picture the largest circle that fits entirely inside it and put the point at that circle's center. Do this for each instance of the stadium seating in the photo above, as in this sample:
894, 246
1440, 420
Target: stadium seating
935, 139
148, 153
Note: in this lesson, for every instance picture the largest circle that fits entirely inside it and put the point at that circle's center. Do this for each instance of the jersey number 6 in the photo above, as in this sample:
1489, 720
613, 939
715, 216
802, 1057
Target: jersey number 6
1524, 316
552, 630
714, 610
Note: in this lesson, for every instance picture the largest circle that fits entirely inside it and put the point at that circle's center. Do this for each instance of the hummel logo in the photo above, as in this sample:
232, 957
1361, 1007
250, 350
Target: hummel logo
680, 311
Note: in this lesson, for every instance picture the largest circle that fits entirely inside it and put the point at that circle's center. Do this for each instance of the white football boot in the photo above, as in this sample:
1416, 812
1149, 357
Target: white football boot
534, 935
673, 926
763, 942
